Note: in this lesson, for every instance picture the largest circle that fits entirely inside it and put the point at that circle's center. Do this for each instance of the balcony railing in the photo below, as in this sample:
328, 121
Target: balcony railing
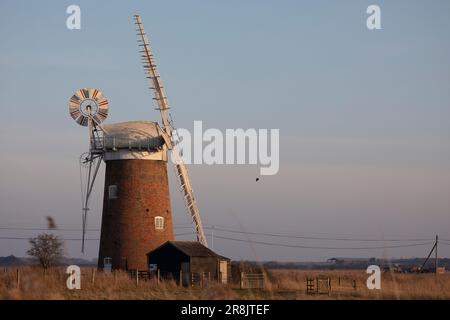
108, 143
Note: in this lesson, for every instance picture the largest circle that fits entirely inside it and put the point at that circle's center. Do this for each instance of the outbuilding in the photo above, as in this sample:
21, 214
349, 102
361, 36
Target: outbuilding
189, 261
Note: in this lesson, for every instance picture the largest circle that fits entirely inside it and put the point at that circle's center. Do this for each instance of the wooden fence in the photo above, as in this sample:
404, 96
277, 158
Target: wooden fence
190, 279
318, 285
323, 285
252, 280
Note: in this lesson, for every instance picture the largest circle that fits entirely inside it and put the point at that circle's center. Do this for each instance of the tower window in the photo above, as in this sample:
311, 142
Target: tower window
159, 223
112, 191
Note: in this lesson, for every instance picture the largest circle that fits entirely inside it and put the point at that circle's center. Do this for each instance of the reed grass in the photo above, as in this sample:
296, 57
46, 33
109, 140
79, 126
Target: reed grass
280, 284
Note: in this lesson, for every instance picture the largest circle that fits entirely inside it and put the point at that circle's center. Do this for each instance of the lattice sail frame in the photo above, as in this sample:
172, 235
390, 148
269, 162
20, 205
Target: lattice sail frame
163, 106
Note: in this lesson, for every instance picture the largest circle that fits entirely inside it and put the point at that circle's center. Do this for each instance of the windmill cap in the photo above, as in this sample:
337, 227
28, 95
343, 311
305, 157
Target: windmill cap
133, 135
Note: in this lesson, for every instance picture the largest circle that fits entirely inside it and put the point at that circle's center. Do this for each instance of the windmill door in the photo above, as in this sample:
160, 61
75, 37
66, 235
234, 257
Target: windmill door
107, 264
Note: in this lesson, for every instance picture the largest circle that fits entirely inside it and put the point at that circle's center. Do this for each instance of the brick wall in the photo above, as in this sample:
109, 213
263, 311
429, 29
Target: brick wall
128, 222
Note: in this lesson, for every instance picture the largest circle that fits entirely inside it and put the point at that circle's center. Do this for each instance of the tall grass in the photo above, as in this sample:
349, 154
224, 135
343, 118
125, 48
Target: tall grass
280, 284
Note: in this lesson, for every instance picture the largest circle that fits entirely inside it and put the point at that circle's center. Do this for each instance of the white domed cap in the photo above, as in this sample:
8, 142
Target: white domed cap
133, 135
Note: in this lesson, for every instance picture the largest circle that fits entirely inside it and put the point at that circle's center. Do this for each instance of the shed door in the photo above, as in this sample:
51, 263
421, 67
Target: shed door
185, 273
223, 269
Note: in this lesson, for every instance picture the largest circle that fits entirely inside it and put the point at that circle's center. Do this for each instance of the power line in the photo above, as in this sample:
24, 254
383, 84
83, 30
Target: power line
71, 239
267, 243
314, 238
318, 247
288, 236
45, 229
185, 234
65, 229
325, 248
64, 239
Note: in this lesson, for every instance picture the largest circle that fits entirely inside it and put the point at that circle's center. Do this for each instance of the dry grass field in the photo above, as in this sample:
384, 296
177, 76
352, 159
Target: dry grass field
280, 284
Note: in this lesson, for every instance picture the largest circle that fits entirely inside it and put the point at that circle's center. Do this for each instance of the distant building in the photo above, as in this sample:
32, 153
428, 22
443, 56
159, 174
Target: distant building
440, 270
195, 262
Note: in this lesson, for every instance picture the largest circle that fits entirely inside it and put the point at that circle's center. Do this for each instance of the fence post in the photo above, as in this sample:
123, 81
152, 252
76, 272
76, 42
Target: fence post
18, 278
181, 278
309, 285
115, 276
329, 286
242, 280
317, 284
159, 276
137, 278
93, 277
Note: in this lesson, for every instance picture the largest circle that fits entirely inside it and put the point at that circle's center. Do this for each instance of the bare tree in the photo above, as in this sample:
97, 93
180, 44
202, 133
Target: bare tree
47, 249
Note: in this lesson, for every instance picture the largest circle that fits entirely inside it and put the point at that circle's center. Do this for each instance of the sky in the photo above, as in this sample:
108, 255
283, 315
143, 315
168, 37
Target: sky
364, 117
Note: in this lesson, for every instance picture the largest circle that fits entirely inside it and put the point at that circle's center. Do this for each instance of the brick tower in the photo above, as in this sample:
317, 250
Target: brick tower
137, 215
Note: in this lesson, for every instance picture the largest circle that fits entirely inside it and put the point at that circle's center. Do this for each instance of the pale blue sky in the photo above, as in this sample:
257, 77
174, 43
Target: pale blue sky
364, 116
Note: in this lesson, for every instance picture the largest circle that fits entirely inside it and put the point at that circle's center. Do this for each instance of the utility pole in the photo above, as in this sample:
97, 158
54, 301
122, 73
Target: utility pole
212, 237
435, 245
436, 255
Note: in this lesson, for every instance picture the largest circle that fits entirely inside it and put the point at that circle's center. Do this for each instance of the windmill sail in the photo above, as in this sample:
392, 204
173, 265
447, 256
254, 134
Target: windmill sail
163, 106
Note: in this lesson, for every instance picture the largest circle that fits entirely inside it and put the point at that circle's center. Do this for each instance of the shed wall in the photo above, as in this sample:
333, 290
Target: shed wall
168, 258
205, 264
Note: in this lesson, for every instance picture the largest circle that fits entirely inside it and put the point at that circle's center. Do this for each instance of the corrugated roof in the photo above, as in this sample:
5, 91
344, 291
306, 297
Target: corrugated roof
193, 249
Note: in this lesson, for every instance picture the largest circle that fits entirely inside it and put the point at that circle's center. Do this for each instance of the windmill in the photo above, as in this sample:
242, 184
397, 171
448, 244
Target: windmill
136, 214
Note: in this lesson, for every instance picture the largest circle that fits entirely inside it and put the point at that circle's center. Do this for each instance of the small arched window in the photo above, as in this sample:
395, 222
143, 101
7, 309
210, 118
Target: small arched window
159, 223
